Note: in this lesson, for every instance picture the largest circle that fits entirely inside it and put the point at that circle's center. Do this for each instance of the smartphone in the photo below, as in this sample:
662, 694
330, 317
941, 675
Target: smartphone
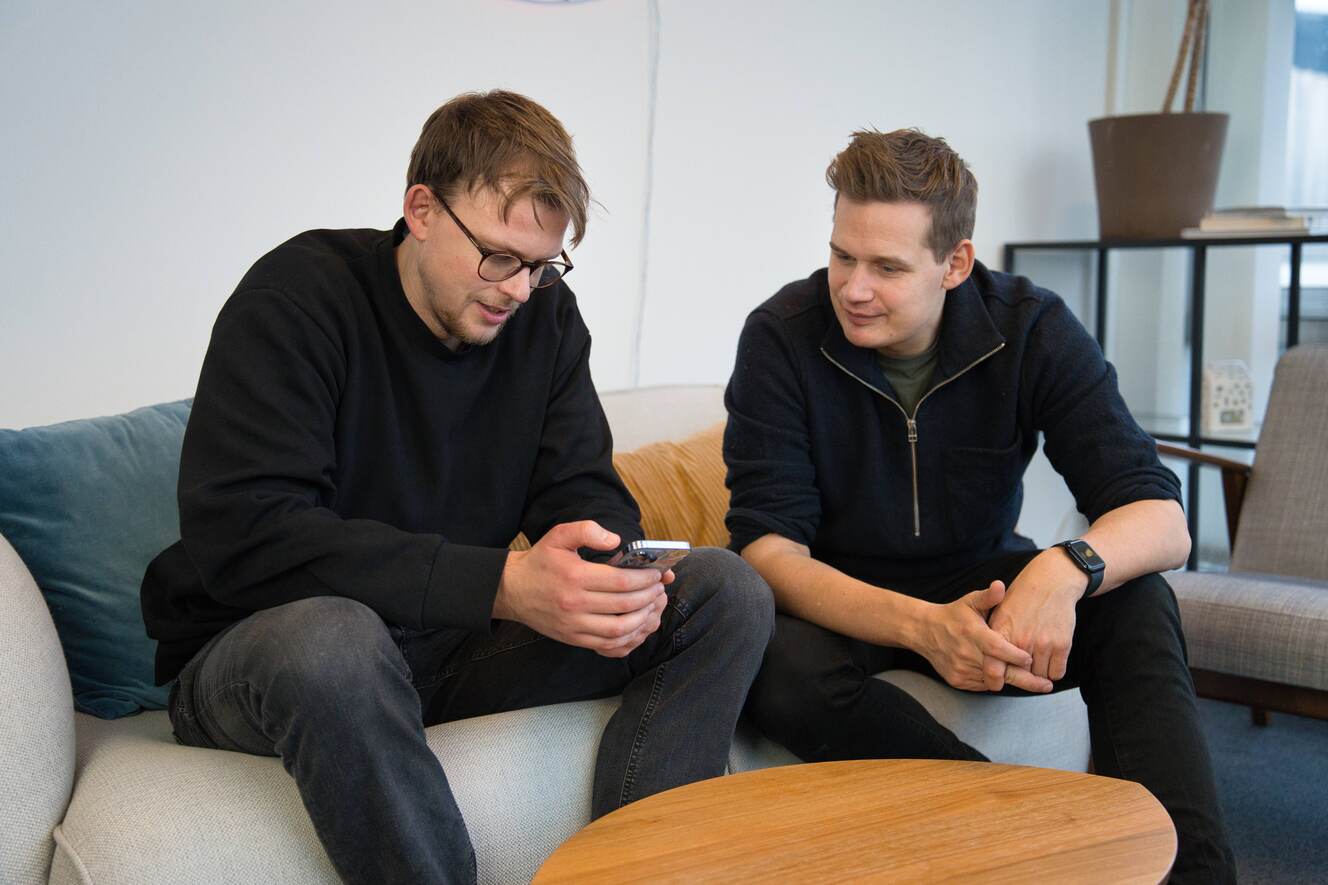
662, 555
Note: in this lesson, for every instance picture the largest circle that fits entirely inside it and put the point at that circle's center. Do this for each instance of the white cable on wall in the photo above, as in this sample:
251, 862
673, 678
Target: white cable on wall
652, 12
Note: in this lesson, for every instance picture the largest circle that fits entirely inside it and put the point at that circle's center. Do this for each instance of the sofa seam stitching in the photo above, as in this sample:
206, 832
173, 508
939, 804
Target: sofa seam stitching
64, 843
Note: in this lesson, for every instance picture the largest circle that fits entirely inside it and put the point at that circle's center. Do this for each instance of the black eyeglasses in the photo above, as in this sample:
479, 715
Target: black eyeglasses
497, 266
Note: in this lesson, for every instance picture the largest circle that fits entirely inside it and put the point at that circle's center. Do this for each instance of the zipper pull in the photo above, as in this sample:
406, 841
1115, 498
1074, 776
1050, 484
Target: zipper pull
912, 430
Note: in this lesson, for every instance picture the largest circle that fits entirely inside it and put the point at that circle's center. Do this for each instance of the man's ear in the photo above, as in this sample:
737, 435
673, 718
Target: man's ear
960, 265
419, 211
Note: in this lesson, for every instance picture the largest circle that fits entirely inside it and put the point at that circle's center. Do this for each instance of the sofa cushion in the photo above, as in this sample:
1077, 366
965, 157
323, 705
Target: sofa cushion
1256, 626
641, 415
1049, 731
680, 487
87, 504
147, 810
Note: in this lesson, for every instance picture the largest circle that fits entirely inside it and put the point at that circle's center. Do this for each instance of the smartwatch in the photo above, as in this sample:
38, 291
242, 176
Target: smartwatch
1088, 562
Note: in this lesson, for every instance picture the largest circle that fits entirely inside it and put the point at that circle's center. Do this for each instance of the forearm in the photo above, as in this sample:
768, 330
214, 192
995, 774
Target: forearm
1139, 539
418, 580
1038, 614
813, 591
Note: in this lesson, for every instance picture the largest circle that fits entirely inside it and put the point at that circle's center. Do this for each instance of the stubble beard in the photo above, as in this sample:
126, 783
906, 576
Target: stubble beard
454, 325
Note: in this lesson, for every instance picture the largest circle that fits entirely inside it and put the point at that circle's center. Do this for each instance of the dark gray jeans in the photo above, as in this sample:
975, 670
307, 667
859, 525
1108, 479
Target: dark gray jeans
344, 699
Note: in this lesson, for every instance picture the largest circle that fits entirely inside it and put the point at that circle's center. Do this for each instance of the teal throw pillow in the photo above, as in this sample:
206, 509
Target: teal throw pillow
87, 504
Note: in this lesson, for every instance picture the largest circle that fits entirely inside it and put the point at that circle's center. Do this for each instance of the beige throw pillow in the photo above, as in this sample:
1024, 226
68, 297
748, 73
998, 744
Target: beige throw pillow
680, 488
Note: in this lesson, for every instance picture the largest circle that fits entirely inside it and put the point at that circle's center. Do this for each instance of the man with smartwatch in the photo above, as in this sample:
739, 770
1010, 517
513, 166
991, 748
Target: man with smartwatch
882, 412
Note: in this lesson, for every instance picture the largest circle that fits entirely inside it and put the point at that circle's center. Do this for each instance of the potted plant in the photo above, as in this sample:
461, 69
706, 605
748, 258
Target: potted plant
1156, 174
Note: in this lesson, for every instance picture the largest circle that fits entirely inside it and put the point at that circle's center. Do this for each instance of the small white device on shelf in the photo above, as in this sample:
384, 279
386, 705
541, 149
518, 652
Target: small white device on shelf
1227, 397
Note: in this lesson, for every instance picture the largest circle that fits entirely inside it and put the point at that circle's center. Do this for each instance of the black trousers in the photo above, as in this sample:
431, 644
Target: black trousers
815, 694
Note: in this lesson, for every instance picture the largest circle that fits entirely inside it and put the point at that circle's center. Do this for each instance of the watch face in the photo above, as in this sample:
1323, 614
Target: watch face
1085, 554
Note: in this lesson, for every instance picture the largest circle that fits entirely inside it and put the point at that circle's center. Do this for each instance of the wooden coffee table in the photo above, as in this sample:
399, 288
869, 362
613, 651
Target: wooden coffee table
890, 819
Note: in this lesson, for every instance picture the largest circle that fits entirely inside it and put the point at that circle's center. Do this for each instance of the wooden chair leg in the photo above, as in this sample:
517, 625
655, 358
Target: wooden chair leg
1262, 697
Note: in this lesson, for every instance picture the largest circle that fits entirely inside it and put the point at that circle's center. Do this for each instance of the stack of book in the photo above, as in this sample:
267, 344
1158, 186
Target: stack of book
1259, 221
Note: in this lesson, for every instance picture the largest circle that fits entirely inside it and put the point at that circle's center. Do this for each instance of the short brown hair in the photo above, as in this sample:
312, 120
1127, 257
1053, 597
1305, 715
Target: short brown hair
505, 142
908, 165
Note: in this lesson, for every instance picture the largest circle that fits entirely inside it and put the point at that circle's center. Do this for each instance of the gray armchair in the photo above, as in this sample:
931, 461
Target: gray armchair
1258, 633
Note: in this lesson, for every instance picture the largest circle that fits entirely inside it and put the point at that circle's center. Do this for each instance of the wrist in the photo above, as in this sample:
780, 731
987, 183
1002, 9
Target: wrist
1075, 584
1080, 565
918, 622
502, 607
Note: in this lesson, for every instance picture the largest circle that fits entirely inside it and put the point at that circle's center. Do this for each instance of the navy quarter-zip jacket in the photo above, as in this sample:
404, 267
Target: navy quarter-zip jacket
820, 451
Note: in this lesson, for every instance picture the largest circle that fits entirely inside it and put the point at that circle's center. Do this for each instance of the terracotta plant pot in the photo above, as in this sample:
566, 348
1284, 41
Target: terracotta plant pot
1155, 173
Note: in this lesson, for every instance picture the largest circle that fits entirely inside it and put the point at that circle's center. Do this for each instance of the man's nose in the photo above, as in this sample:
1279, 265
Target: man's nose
857, 287
517, 287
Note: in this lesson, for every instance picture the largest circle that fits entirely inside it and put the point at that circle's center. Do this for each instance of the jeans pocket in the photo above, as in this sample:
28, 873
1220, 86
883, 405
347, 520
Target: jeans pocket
184, 721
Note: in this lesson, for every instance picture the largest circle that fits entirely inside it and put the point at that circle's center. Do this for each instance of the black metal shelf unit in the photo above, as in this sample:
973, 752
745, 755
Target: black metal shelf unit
1198, 265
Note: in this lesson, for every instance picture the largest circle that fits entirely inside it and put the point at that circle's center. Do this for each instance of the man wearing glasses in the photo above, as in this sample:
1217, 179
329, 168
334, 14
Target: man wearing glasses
378, 415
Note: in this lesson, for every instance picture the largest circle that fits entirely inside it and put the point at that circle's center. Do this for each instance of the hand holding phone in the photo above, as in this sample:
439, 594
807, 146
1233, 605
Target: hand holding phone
552, 590
662, 555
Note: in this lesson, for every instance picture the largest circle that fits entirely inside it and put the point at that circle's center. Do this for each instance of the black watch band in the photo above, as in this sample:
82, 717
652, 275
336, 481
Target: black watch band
1088, 562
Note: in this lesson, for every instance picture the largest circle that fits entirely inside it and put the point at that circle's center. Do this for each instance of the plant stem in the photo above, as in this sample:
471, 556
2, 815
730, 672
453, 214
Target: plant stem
1190, 15
1196, 58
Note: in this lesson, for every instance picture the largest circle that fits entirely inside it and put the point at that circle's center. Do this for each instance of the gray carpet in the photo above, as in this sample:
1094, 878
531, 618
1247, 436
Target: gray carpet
1273, 785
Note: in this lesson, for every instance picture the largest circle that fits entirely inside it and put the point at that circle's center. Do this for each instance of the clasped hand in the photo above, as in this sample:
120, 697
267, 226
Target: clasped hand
1038, 615
1020, 636
970, 654
552, 590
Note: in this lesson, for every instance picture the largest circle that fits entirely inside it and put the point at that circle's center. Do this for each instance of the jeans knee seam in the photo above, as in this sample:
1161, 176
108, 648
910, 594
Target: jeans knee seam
676, 641
656, 690
400, 642
643, 727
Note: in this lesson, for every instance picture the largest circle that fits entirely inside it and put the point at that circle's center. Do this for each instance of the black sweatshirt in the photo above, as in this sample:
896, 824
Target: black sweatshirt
820, 452
337, 448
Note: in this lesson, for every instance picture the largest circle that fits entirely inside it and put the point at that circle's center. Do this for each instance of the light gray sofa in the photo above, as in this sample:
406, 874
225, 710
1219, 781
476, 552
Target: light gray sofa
85, 800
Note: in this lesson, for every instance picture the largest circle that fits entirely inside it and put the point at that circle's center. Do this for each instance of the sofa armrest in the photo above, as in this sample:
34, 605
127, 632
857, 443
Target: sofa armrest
36, 727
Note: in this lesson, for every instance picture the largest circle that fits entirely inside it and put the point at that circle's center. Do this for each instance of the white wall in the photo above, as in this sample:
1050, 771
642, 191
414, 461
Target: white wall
755, 99
154, 149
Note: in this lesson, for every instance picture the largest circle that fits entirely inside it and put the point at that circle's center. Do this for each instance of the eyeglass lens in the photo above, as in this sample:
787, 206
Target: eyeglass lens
500, 266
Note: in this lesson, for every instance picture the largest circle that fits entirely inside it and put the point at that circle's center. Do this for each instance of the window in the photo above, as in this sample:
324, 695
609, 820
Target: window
1307, 159
1307, 117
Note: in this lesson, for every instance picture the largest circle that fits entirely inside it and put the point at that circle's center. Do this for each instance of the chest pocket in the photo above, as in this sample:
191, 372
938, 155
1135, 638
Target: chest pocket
981, 486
